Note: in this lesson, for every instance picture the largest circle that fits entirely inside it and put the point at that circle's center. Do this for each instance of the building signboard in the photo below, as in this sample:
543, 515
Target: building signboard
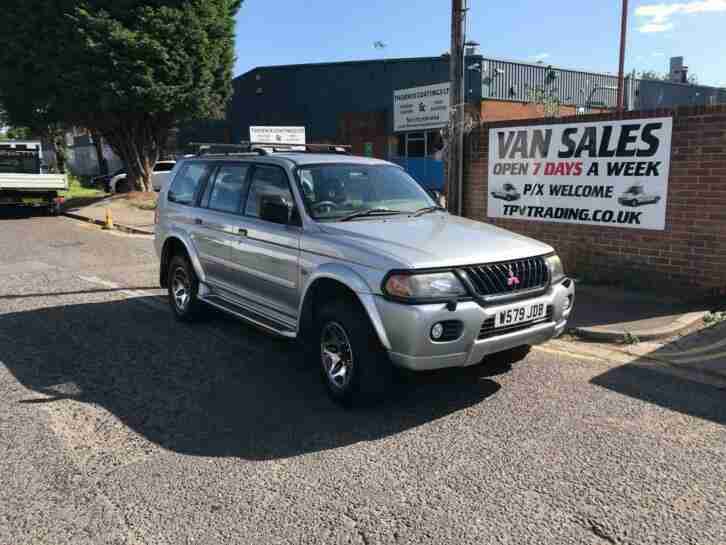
420, 108
277, 135
611, 173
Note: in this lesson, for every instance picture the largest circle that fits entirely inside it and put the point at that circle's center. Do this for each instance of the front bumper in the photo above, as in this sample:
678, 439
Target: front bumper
408, 330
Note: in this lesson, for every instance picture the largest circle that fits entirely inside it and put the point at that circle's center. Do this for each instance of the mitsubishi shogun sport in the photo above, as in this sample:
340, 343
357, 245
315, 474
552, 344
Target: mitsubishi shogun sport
354, 258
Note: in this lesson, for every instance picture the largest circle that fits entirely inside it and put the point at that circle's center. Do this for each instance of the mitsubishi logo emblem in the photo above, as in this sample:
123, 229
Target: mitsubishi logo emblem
512, 280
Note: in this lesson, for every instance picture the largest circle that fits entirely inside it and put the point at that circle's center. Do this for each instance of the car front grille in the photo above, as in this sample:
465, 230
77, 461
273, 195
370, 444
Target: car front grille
488, 330
509, 277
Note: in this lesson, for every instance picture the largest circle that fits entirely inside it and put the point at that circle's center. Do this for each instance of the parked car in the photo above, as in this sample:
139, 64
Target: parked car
104, 181
161, 173
507, 193
159, 176
353, 258
636, 196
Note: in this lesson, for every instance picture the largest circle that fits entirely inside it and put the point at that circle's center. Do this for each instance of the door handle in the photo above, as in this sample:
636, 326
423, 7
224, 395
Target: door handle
242, 232
198, 221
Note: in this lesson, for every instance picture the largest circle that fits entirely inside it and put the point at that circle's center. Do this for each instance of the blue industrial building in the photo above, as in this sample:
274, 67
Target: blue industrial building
352, 102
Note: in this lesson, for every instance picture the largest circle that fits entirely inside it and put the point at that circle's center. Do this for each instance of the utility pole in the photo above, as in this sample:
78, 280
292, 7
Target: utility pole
623, 32
456, 104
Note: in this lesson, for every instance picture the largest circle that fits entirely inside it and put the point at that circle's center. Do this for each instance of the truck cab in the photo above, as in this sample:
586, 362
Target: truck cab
23, 181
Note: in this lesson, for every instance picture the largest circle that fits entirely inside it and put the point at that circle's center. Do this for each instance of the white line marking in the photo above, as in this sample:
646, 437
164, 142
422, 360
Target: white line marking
145, 297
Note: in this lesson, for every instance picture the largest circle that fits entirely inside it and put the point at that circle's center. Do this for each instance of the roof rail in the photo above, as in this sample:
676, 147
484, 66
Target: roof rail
277, 147
214, 148
266, 148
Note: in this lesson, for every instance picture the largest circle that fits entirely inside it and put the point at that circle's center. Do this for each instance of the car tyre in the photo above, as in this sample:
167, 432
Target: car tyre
122, 186
183, 289
354, 366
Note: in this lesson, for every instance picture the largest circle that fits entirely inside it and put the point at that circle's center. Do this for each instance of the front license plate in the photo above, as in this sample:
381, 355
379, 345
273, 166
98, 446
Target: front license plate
528, 312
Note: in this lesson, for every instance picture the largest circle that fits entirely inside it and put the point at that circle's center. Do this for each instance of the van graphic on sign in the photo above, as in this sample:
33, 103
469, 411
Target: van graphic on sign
635, 195
507, 193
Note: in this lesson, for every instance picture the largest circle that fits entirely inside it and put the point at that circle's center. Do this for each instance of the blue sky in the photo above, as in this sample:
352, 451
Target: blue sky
581, 35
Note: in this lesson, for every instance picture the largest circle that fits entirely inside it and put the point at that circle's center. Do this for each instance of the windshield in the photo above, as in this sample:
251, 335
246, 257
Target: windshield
335, 191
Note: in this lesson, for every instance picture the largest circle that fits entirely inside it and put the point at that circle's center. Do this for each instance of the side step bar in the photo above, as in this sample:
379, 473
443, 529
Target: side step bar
250, 316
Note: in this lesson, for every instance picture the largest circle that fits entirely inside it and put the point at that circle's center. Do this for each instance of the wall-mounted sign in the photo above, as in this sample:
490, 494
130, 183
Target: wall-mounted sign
602, 173
421, 108
277, 135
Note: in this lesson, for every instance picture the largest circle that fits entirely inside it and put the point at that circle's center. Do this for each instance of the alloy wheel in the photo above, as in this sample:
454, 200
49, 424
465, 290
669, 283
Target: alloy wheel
181, 289
336, 355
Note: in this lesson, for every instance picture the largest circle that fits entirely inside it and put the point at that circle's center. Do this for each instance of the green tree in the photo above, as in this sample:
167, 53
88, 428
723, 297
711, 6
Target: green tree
546, 94
128, 69
653, 75
19, 133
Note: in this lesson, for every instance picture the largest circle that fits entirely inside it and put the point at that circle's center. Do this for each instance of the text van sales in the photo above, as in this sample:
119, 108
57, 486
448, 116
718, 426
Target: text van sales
604, 141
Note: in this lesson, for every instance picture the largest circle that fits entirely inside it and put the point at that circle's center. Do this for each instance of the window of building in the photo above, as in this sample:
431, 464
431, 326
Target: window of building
416, 146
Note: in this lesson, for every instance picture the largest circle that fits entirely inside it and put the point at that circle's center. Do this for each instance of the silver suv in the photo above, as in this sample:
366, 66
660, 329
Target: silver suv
351, 256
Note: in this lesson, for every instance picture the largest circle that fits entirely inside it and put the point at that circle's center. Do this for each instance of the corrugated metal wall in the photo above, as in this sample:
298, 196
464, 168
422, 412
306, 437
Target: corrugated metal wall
509, 80
506, 80
316, 95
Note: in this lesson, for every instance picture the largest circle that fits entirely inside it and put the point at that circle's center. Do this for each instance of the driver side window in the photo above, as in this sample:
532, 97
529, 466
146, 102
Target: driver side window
267, 181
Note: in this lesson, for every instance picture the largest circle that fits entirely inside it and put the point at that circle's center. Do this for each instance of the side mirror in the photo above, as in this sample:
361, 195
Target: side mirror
435, 195
274, 209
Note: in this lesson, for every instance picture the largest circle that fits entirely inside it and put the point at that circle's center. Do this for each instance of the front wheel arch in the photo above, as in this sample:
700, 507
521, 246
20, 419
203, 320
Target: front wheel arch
325, 288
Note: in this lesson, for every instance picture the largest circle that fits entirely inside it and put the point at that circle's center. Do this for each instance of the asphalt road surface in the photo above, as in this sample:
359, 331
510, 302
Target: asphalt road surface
120, 425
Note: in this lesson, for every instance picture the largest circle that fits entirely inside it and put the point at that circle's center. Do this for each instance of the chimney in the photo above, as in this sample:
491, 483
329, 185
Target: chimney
679, 72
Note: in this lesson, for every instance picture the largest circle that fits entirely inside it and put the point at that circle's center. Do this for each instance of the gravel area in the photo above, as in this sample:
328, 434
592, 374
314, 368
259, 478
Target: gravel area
120, 425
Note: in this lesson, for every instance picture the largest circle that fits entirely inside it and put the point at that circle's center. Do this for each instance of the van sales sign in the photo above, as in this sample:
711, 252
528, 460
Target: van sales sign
605, 173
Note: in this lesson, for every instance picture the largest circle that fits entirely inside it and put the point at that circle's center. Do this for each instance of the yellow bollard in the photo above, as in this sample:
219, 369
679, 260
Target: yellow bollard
109, 220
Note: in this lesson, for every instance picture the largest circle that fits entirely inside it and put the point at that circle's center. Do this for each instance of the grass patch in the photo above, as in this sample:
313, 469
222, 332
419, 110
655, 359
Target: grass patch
141, 200
713, 318
76, 190
79, 196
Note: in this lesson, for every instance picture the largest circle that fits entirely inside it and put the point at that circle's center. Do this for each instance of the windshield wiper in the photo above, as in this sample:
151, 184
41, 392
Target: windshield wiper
369, 212
427, 209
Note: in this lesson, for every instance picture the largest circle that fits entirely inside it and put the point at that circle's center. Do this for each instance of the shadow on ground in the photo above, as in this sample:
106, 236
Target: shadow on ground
21, 212
686, 375
609, 305
76, 203
218, 388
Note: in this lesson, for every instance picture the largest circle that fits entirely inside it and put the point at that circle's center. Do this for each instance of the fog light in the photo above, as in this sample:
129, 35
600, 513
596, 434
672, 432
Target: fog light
437, 331
567, 303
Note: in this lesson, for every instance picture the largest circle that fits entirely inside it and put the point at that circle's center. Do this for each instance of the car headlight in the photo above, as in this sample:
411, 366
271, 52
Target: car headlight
423, 286
554, 264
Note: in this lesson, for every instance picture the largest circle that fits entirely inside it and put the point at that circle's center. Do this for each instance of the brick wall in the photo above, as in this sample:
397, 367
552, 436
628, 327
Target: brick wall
502, 110
688, 257
357, 128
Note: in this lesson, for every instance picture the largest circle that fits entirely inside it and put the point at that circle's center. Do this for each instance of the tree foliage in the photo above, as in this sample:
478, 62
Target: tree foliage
127, 69
657, 76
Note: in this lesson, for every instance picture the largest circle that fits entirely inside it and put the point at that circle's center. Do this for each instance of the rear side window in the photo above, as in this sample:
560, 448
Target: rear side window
228, 188
163, 167
267, 181
187, 183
